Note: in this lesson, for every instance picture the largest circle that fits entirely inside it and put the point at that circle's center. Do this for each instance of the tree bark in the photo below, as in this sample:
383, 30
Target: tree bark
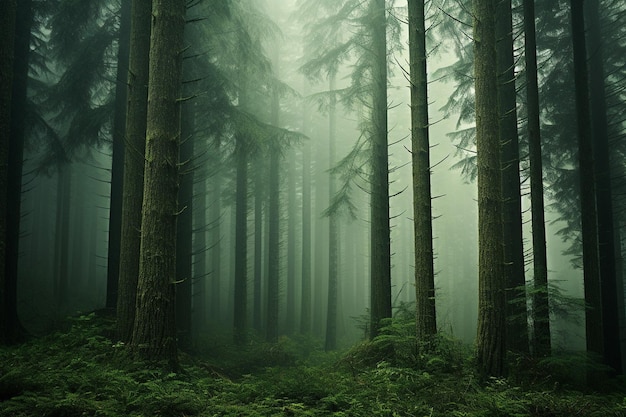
591, 262
517, 319
380, 296
154, 332
540, 301
136, 117
491, 300
258, 243
117, 162
273, 247
241, 242
425, 320
305, 302
7, 43
604, 195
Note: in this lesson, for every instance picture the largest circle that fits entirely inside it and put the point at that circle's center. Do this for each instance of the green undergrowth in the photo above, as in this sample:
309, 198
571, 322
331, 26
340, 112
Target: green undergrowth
82, 372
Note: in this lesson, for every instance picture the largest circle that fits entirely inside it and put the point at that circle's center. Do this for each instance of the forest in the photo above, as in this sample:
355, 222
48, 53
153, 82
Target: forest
311, 208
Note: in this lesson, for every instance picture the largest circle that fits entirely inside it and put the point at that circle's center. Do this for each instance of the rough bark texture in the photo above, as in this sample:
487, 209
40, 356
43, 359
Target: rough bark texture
425, 320
117, 162
540, 307
136, 115
517, 320
154, 332
604, 196
184, 230
7, 38
380, 298
491, 299
591, 267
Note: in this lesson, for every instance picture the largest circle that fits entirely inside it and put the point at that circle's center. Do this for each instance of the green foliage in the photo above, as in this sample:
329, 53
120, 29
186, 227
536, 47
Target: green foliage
80, 372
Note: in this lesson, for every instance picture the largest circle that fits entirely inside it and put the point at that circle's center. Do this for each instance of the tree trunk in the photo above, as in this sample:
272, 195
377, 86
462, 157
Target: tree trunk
425, 320
290, 308
491, 302
591, 267
241, 242
62, 241
273, 249
517, 321
380, 298
540, 302
7, 39
604, 195
216, 241
136, 116
305, 302
117, 162
258, 243
184, 230
333, 228
154, 333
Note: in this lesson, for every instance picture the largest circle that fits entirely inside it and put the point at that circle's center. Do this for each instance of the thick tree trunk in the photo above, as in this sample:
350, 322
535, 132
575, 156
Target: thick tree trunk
62, 241
117, 162
184, 231
517, 321
154, 332
604, 195
380, 298
591, 263
491, 301
136, 116
7, 43
540, 301
425, 320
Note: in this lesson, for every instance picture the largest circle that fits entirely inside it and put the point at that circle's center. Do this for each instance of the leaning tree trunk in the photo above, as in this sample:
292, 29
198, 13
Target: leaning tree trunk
154, 332
591, 262
540, 302
7, 37
491, 298
380, 298
425, 319
136, 115
517, 321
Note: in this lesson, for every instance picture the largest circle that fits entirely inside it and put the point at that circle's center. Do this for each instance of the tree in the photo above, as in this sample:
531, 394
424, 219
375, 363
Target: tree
517, 322
426, 319
117, 157
136, 118
379, 177
591, 261
154, 332
333, 227
604, 194
540, 303
7, 38
491, 297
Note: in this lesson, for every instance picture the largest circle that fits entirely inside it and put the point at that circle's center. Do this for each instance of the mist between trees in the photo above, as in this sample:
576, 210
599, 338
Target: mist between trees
295, 117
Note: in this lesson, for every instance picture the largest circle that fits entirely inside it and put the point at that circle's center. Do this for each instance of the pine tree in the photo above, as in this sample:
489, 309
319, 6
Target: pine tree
426, 320
491, 293
154, 332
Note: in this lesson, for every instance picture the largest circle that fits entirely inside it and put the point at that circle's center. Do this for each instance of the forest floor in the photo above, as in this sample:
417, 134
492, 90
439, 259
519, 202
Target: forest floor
81, 372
